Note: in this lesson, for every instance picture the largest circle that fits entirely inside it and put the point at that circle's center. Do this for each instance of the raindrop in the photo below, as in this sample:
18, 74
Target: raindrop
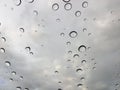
83, 61
59, 89
62, 34
68, 43
76, 55
79, 85
82, 48
66, 0
2, 50
3, 39
21, 77
7, 63
26, 89
17, 2
28, 48
13, 73
73, 34
11, 79
30, 1
85, 4
68, 6
35, 12
58, 20
69, 52
84, 29
78, 70
78, 13
82, 78
21, 30
18, 88
55, 6
56, 72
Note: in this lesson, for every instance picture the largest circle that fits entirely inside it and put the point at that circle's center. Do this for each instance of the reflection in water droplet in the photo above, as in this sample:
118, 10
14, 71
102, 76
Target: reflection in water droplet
85, 4
82, 48
83, 61
35, 12
78, 13
18, 88
17, 2
2, 50
13, 73
68, 6
78, 70
28, 48
76, 55
55, 6
21, 30
3, 39
62, 34
84, 29
79, 85
68, 43
7, 63
73, 34
66, 0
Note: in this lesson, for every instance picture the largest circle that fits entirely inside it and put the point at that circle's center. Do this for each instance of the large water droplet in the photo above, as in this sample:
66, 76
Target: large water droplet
78, 13
7, 63
82, 48
55, 6
85, 4
2, 50
73, 34
17, 2
68, 6
18, 88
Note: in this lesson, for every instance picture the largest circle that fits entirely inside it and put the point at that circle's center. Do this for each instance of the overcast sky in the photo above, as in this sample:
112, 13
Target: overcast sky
36, 40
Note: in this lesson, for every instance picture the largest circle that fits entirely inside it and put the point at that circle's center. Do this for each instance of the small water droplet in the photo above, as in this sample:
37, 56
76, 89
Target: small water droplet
94, 68
3, 39
68, 60
7, 63
89, 34
56, 72
18, 88
21, 77
2, 50
30, 1
68, 6
73, 34
79, 70
68, 43
82, 78
13, 73
70, 52
84, 29
78, 13
55, 6
76, 55
62, 34
26, 89
17, 2
59, 82
27, 48
21, 30
59, 89
82, 48
66, 0
31, 53
83, 61
79, 85
58, 20
35, 12
85, 4
11, 79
